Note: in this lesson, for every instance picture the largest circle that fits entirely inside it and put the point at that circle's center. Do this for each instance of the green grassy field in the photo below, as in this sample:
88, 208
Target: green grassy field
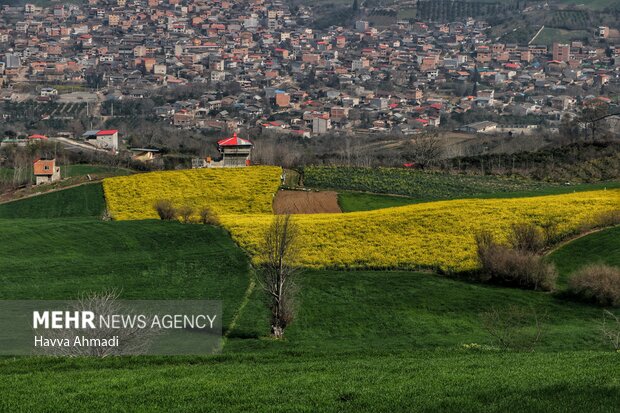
362, 201
367, 341
599, 247
422, 381
381, 311
81, 170
82, 201
63, 258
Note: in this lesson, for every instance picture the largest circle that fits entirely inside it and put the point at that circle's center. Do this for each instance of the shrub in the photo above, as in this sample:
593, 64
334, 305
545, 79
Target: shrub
526, 237
185, 212
505, 265
165, 210
207, 216
602, 219
607, 218
514, 327
598, 283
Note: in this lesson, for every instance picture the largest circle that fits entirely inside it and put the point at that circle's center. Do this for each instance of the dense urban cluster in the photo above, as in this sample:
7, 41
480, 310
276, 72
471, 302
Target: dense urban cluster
263, 64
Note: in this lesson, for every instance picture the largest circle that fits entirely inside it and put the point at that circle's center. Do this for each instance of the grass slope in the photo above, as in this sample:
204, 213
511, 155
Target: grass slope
372, 342
377, 312
426, 381
599, 247
149, 260
71, 171
81, 201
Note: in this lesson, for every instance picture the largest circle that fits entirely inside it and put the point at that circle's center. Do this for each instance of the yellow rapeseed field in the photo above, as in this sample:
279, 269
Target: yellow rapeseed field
434, 235
437, 234
225, 191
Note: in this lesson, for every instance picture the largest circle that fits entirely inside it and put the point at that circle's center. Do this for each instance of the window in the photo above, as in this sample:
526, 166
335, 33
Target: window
46, 167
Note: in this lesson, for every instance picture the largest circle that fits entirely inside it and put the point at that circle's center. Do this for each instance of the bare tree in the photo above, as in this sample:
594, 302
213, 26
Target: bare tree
278, 256
610, 328
514, 327
425, 150
131, 339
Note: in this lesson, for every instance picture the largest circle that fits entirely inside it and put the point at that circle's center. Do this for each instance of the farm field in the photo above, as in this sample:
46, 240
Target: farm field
306, 202
418, 381
431, 235
133, 197
361, 341
141, 260
429, 186
350, 201
436, 235
83, 201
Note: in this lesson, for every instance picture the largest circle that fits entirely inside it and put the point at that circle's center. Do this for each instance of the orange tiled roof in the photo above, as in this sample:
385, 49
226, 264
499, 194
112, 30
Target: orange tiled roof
39, 167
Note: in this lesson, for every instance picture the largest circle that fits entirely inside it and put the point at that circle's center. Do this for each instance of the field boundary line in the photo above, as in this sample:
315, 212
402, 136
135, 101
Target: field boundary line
53, 190
244, 302
575, 238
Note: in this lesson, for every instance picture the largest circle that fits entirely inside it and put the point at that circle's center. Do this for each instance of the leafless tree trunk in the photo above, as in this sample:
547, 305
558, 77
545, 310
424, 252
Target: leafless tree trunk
611, 329
132, 340
278, 269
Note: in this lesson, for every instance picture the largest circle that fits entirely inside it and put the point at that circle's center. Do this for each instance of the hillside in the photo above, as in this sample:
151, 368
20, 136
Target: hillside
235, 190
361, 340
82, 201
146, 260
436, 235
425, 186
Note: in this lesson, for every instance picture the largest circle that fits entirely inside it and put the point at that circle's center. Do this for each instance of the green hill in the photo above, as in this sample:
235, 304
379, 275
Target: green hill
361, 341
63, 258
81, 201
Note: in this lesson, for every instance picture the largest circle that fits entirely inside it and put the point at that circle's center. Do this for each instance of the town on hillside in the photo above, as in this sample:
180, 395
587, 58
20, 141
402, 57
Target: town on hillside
152, 78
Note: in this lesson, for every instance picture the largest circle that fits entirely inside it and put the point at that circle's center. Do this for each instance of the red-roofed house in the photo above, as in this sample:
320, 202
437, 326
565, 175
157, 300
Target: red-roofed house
46, 171
235, 152
106, 139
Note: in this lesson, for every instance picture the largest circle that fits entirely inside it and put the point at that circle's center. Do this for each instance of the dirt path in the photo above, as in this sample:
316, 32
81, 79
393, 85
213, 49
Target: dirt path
306, 202
574, 238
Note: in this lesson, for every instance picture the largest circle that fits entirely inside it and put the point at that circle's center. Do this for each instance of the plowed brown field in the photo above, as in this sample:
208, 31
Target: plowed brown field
302, 202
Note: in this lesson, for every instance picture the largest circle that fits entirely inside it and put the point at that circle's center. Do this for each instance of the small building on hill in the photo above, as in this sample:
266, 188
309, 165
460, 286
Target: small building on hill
235, 151
46, 171
105, 139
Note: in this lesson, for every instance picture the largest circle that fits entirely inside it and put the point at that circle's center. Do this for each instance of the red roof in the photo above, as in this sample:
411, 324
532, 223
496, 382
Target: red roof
37, 136
234, 141
107, 132
44, 166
